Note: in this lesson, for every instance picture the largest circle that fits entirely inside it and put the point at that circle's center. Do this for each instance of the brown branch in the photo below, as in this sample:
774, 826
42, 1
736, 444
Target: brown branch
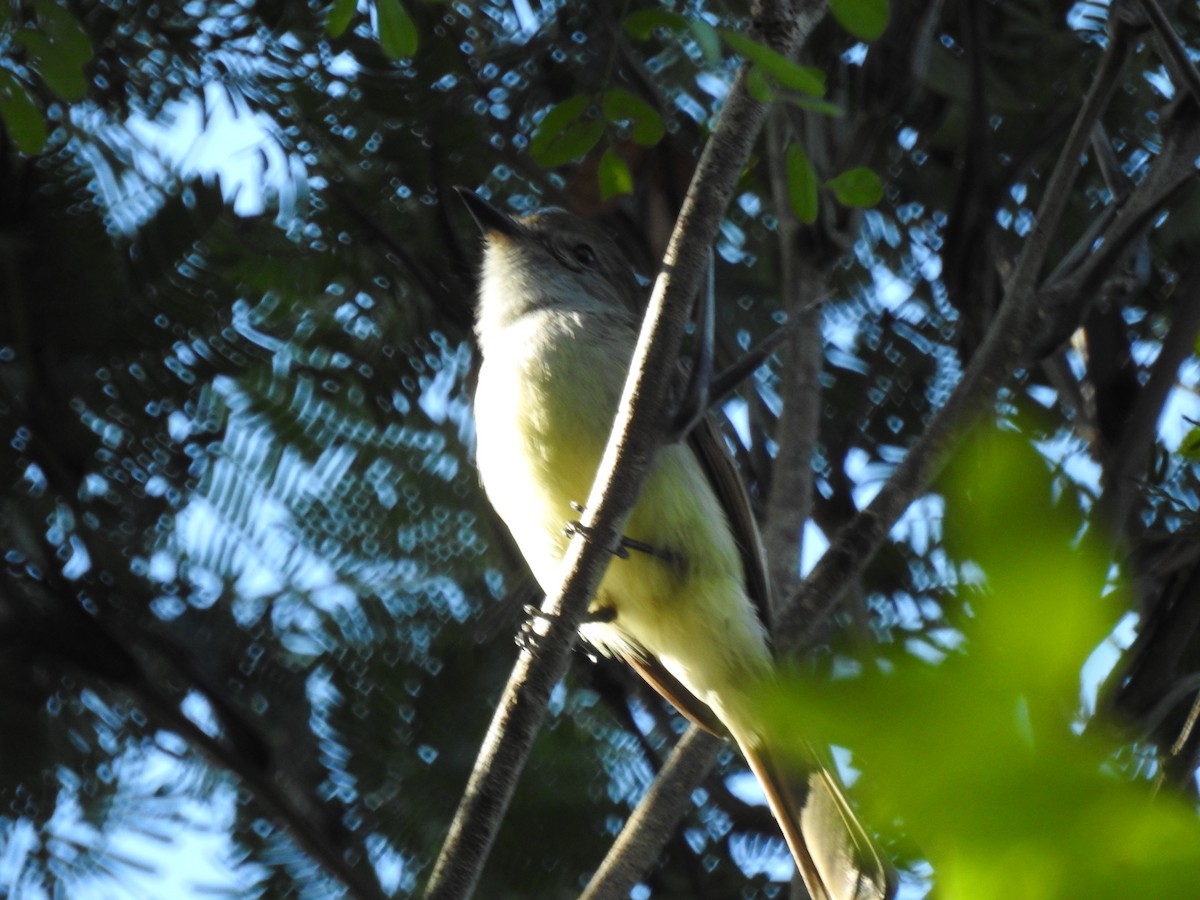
1131, 457
789, 501
1019, 321
1173, 52
636, 435
649, 827
654, 820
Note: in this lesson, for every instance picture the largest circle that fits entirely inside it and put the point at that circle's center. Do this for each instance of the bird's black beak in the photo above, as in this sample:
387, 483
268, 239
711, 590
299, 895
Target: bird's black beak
490, 219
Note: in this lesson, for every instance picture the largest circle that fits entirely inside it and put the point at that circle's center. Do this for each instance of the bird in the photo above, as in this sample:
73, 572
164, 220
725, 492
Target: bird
557, 318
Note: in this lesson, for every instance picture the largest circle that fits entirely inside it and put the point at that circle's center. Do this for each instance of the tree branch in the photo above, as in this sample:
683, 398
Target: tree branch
636, 436
789, 501
1018, 323
1173, 52
1130, 458
652, 823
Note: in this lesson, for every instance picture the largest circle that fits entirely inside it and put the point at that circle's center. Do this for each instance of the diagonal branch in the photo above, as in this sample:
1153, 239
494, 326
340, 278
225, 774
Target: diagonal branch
652, 823
657, 815
1129, 460
1016, 328
636, 435
1173, 52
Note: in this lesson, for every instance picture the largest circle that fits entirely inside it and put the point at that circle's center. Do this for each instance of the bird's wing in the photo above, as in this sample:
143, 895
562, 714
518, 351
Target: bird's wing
673, 691
708, 444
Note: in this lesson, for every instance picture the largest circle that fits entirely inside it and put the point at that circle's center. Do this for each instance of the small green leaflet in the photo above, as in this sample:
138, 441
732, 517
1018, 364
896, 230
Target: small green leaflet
337, 20
646, 124
642, 23
615, 177
859, 187
21, 117
398, 35
1190, 445
59, 50
708, 40
758, 83
64, 31
802, 184
564, 134
865, 19
805, 79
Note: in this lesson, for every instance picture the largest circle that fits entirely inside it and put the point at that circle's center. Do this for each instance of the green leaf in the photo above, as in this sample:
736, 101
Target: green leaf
337, 20
1190, 445
758, 83
642, 23
62, 73
824, 107
22, 119
556, 120
865, 19
615, 177
564, 134
398, 35
803, 188
64, 32
858, 187
708, 40
806, 79
621, 106
59, 50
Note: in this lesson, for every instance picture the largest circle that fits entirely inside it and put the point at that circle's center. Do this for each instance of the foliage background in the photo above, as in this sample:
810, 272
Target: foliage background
254, 610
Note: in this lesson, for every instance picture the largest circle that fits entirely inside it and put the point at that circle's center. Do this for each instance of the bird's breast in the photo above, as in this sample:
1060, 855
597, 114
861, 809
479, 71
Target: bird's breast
547, 395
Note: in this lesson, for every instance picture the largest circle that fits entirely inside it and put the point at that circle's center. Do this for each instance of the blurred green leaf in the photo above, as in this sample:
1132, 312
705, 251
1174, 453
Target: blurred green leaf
858, 187
865, 19
1190, 445
824, 107
337, 20
642, 23
622, 106
791, 75
64, 32
25, 123
398, 33
615, 177
58, 50
803, 188
564, 134
708, 40
758, 83
61, 74
979, 755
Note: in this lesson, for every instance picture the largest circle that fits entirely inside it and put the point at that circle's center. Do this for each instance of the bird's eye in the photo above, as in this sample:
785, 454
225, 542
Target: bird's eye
584, 254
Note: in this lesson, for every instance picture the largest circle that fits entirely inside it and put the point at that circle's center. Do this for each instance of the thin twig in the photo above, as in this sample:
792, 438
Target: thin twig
1173, 52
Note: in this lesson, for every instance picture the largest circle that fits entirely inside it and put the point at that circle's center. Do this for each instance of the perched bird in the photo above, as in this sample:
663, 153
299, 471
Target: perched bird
558, 317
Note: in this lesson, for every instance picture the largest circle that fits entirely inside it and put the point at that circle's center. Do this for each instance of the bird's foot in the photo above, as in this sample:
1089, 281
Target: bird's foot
625, 545
527, 636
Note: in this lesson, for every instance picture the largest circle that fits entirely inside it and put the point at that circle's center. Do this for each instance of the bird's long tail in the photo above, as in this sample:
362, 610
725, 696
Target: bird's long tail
836, 856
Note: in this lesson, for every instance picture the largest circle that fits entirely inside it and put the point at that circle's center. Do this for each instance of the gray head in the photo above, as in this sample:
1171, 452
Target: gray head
551, 259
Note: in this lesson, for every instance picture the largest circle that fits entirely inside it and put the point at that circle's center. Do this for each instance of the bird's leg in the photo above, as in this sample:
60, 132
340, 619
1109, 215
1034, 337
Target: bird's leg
527, 636
626, 543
